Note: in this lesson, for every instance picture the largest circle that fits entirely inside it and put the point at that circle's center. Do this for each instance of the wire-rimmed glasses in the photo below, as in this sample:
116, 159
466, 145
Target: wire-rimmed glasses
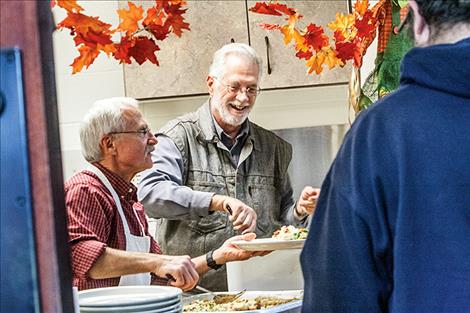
235, 90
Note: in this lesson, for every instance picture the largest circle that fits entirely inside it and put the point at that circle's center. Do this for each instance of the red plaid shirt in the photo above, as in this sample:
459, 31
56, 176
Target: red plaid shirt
94, 223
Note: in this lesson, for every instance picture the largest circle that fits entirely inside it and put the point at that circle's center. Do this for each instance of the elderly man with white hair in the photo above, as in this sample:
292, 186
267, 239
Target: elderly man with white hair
108, 231
217, 173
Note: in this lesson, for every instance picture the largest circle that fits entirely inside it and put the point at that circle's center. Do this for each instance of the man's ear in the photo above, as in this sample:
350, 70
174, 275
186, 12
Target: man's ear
107, 145
421, 30
210, 84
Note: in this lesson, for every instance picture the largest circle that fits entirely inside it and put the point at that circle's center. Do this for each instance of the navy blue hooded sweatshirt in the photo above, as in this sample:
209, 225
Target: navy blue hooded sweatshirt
391, 232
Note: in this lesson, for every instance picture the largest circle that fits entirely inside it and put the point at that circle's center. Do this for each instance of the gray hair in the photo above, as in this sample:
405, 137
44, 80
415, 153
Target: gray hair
217, 67
104, 117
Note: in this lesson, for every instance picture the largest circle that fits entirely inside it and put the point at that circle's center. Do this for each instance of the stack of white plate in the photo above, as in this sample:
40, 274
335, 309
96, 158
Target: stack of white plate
130, 299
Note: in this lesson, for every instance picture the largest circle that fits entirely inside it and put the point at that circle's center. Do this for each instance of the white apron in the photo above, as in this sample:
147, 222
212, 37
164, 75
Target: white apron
133, 243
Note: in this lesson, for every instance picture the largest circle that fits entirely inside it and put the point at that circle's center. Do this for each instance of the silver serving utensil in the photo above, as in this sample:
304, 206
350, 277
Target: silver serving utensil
219, 299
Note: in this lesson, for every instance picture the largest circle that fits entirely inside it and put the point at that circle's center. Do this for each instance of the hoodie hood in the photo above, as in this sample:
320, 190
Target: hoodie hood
442, 67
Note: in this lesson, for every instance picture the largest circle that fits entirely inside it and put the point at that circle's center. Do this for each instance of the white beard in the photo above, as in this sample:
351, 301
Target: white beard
226, 116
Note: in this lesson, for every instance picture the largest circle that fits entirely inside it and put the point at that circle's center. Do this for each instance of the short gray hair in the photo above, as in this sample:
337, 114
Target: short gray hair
104, 117
217, 67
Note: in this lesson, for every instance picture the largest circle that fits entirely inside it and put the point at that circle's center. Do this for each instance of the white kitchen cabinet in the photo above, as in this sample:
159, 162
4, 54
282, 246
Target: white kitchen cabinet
184, 62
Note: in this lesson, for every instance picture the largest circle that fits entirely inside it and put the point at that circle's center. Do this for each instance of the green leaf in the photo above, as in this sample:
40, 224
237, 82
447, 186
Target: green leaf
402, 3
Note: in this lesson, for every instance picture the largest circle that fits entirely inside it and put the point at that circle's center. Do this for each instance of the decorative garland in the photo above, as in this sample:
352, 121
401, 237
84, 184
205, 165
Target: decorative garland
138, 34
353, 33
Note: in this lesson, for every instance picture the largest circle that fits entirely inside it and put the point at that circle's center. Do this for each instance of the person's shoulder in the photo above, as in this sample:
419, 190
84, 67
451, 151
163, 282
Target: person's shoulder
180, 123
263, 133
83, 181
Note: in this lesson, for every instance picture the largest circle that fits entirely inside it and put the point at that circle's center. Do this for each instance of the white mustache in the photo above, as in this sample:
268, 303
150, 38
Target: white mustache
149, 149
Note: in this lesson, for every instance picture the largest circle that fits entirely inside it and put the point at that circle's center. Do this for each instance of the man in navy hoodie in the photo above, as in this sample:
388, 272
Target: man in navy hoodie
391, 232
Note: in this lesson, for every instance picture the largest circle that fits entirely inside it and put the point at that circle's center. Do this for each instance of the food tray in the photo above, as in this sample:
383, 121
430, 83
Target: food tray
291, 307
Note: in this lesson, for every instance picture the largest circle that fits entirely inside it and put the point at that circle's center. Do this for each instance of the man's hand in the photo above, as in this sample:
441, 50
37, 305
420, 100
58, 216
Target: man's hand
242, 216
229, 252
307, 201
179, 269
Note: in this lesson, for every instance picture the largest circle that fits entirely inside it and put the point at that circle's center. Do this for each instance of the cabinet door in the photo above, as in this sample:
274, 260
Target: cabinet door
185, 61
286, 69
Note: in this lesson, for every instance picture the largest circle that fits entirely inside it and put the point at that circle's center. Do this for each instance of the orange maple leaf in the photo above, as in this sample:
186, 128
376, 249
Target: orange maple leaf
344, 24
290, 32
315, 63
68, 5
360, 7
154, 16
81, 23
130, 18
87, 56
331, 57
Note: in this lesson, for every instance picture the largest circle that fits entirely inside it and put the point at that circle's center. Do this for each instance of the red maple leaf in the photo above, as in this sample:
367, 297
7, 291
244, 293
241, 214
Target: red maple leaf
345, 50
175, 20
122, 50
272, 9
270, 26
304, 55
144, 49
264, 8
160, 32
315, 37
366, 26
338, 36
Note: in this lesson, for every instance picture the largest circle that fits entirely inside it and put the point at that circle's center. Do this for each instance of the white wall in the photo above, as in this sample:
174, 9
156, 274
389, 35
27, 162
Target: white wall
76, 93
274, 109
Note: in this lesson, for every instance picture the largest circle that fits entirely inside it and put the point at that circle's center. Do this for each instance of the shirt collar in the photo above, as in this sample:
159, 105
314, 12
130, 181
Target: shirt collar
244, 130
123, 188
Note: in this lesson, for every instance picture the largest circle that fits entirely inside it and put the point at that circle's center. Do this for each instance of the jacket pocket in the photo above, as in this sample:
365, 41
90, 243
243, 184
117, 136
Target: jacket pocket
266, 201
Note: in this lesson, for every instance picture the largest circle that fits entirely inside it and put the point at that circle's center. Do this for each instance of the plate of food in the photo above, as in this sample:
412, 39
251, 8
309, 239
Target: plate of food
288, 237
250, 301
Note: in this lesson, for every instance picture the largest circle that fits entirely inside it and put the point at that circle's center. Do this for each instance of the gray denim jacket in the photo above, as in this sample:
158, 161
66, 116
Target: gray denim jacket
260, 180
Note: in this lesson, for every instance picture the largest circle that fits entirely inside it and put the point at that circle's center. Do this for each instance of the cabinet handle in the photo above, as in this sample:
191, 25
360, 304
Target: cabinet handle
232, 40
266, 40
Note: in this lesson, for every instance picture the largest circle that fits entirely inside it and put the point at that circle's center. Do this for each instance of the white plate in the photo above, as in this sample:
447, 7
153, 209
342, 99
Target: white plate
127, 296
269, 244
164, 306
133, 309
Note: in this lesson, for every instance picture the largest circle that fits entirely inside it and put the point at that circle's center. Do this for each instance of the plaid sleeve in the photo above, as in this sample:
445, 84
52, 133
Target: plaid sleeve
88, 226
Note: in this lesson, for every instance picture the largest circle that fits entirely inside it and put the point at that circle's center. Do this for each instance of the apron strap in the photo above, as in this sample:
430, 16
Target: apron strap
108, 186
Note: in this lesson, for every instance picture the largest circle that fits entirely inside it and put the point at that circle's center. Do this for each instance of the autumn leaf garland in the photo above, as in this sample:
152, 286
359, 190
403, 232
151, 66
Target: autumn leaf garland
353, 33
138, 34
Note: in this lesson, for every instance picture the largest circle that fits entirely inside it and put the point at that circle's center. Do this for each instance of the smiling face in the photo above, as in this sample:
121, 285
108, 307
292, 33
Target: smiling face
231, 109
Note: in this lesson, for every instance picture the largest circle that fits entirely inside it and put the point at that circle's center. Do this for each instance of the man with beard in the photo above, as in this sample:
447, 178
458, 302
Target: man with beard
108, 231
216, 173
392, 226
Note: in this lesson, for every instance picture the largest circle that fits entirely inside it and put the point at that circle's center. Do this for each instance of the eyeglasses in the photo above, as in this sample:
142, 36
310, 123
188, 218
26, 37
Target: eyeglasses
141, 132
235, 90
